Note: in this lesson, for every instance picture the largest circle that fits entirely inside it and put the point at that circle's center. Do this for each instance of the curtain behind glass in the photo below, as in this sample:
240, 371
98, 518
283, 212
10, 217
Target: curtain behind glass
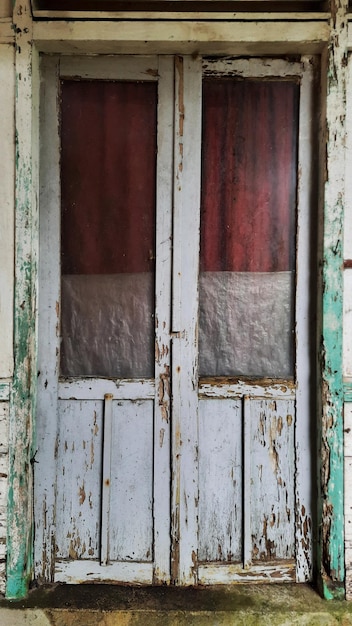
108, 170
249, 174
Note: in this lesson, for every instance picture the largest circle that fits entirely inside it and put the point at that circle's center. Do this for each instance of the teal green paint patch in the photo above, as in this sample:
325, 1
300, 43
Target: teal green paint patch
16, 587
22, 398
347, 392
4, 391
335, 592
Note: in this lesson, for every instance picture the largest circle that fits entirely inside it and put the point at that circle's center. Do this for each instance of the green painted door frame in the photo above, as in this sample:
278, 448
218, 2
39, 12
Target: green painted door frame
23, 391
330, 553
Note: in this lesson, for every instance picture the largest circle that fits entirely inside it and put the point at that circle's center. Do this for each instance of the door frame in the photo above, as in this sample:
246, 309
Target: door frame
22, 400
178, 222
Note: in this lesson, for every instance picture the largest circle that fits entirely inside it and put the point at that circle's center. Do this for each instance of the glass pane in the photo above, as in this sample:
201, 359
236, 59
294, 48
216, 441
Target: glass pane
249, 174
108, 170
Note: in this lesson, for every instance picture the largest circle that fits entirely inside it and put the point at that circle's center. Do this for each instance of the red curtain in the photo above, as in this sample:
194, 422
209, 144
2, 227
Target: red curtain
249, 174
108, 176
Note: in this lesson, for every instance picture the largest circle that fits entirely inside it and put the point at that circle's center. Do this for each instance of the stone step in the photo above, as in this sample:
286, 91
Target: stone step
112, 605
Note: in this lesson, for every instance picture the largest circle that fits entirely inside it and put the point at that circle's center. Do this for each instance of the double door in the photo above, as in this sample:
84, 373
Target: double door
173, 421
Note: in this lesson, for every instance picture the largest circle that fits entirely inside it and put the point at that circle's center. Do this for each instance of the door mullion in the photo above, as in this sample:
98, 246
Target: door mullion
304, 461
45, 480
106, 482
162, 540
247, 537
187, 169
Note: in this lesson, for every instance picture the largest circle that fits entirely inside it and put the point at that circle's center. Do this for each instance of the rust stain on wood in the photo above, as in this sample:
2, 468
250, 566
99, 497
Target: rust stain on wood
160, 352
82, 495
181, 105
164, 393
286, 384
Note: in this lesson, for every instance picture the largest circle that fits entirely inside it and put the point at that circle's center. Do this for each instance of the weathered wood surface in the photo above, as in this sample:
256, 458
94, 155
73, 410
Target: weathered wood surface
331, 513
211, 574
163, 270
73, 572
6, 9
71, 428
271, 494
96, 388
305, 322
7, 184
282, 393
347, 339
22, 406
178, 15
187, 166
79, 499
220, 481
4, 462
49, 324
348, 496
185, 37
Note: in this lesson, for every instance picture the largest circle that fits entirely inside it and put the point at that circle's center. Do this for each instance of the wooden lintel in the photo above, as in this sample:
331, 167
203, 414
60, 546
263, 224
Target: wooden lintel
180, 36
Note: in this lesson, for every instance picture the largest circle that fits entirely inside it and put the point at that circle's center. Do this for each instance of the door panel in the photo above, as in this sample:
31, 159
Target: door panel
270, 484
131, 492
79, 460
220, 480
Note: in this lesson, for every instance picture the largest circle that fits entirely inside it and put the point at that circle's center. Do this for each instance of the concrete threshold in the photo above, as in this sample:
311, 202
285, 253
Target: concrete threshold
115, 605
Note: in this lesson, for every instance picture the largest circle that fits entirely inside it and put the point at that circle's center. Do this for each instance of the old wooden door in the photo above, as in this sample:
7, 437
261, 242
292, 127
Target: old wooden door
102, 501
174, 248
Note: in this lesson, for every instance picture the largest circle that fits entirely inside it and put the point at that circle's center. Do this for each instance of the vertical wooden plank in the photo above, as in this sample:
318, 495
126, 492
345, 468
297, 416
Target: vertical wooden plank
4, 458
48, 325
331, 523
78, 488
347, 335
247, 537
7, 185
347, 288
272, 472
347, 248
106, 482
162, 421
220, 480
348, 497
304, 347
185, 319
22, 408
131, 502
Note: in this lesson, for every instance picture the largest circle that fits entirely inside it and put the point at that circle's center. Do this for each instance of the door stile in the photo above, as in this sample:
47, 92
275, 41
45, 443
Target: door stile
162, 413
187, 168
48, 326
106, 480
247, 536
304, 349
